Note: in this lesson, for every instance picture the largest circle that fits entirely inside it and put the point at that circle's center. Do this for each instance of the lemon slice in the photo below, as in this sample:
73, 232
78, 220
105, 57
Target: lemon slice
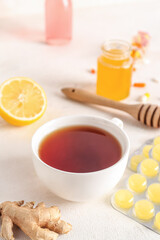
22, 101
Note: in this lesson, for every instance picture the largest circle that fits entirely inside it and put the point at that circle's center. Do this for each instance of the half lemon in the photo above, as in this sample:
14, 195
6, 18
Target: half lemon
22, 101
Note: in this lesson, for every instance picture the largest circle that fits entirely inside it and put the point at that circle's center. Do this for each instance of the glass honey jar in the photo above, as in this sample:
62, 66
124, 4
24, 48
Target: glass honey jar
114, 71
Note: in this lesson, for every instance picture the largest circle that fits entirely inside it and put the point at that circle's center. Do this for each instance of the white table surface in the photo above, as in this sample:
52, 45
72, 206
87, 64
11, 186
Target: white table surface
23, 53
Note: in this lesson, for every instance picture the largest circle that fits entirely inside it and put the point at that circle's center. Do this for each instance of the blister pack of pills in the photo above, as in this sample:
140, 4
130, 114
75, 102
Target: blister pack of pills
139, 198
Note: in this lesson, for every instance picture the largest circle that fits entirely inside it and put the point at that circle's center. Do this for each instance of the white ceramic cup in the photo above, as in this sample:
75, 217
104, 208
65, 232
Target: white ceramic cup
81, 186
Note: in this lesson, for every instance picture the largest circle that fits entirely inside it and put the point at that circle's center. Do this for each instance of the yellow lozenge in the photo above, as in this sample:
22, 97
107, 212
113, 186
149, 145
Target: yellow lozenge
157, 221
144, 210
149, 167
124, 198
146, 150
153, 192
156, 152
135, 160
137, 183
156, 140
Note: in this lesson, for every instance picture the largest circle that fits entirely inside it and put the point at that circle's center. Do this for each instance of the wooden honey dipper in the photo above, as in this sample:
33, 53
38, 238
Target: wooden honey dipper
148, 114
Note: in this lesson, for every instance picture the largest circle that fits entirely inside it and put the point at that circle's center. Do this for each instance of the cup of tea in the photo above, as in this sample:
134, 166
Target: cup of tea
82, 157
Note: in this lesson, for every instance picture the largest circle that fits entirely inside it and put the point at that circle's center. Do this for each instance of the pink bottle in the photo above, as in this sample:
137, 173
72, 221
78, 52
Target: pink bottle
58, 21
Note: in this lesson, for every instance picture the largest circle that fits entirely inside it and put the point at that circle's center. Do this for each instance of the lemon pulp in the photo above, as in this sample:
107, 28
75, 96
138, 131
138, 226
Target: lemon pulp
154, 192
137, 183
22, 101
149, 167
124, 199
144, 210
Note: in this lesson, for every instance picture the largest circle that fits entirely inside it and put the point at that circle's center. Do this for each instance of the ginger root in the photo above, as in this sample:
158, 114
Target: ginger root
39, 223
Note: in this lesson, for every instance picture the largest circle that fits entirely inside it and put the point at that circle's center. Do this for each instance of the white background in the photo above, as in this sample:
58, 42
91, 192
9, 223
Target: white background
23, 52
37, 6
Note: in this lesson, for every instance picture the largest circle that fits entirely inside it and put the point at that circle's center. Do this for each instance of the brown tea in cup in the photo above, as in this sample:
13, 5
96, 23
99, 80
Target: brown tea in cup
80, 149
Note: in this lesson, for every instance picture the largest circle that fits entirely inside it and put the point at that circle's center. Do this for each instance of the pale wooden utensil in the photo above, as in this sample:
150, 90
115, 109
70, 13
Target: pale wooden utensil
148, 114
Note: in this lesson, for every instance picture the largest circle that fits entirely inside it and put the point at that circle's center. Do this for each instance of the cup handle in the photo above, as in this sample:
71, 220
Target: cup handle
118, 122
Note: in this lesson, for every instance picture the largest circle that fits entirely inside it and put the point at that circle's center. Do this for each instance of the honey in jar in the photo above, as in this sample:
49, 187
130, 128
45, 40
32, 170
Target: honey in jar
114, 70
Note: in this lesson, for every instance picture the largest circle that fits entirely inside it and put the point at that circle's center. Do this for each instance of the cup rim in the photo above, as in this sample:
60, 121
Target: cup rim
82, 116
